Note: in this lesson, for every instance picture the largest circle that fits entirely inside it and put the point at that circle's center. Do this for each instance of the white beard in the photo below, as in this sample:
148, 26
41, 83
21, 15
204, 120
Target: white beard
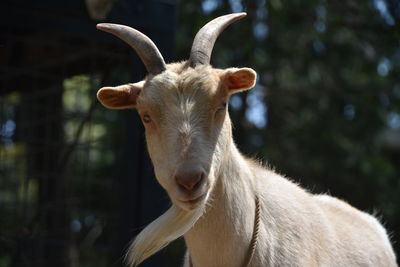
174, 223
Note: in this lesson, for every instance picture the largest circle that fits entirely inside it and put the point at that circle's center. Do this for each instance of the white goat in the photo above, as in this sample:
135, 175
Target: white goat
231, 211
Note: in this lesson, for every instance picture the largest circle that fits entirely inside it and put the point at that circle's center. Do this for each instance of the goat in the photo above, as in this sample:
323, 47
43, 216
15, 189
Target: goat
230, 210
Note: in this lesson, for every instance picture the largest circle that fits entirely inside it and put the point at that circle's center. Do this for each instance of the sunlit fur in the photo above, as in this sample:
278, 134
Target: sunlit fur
297, 228
171, 225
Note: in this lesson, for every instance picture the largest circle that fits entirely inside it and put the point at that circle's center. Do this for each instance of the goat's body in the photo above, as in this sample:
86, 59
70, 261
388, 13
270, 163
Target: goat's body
214, 188
297, 228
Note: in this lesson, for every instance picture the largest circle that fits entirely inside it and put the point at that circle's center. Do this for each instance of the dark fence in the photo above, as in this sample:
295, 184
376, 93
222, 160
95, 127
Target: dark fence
75, 179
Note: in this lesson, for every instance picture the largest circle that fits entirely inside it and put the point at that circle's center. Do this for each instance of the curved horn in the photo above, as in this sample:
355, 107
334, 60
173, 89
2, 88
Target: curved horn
205, 38
144, 47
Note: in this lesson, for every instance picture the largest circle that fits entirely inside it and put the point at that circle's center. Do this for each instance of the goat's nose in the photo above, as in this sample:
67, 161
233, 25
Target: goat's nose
189, 181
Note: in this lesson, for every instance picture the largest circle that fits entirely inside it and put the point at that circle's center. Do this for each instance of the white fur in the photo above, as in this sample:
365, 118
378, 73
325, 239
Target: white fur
166, 228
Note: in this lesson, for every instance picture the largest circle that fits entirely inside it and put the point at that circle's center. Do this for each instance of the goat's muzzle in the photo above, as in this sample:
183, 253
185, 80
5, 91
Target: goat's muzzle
189, 180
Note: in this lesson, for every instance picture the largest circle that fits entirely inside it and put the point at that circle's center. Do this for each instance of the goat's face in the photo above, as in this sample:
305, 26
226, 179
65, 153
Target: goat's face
187, 125
183, 115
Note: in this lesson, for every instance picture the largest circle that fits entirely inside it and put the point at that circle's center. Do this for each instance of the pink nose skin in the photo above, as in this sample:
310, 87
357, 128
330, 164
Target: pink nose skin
189, 181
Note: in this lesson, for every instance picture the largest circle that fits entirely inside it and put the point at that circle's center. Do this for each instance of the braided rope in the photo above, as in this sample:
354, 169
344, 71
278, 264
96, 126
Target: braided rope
256, 231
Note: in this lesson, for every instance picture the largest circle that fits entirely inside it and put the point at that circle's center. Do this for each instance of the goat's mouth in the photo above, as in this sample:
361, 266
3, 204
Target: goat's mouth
192, 202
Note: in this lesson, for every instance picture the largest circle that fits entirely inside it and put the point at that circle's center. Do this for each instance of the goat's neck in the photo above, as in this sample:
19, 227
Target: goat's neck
222, 235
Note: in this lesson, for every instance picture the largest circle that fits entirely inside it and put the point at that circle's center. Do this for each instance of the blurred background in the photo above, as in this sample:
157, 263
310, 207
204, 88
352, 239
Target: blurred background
76, 183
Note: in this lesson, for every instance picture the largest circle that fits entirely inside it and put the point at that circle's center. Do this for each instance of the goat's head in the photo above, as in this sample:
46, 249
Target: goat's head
184, 109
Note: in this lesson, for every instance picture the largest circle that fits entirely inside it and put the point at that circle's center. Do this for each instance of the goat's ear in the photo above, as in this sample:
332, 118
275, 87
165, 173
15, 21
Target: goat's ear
236, 80
120, 97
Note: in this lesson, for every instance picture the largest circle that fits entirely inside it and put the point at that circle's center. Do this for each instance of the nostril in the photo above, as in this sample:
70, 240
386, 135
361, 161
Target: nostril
199, 181
189, 181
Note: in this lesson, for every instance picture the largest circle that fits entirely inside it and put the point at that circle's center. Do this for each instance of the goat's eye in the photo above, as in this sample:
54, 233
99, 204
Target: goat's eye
221, 109
146, 118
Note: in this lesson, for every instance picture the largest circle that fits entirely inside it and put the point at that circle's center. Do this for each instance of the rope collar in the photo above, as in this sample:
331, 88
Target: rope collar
254, 238
256, 231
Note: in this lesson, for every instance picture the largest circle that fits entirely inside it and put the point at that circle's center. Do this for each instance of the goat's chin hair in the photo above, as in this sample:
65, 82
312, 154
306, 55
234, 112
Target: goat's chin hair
174, 223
